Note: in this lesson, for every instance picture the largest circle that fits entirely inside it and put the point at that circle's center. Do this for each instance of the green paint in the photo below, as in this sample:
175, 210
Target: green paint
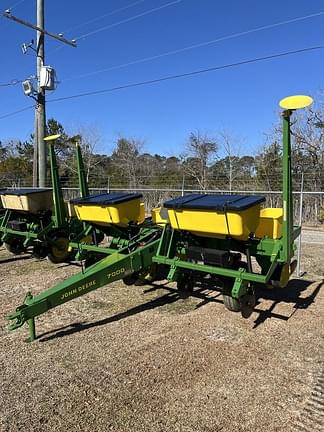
59, 216
83, 184
112, 268
150, 245
287, 189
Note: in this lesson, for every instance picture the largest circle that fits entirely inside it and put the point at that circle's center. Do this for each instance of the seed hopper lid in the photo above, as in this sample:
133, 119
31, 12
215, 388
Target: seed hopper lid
214, 202
23, 191
107, 198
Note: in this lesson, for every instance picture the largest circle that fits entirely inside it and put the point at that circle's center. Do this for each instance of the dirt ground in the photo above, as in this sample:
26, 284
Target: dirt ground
143, 359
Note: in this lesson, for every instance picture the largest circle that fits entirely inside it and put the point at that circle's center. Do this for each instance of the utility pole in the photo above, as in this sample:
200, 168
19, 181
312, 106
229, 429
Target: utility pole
40, 153
35, 156
40, 108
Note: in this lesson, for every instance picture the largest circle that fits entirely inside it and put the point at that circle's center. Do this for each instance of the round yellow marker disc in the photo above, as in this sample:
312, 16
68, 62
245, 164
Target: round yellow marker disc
296, 102
52, 137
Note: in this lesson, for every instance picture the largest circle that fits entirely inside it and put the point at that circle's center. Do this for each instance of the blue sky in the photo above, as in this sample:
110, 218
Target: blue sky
242, 100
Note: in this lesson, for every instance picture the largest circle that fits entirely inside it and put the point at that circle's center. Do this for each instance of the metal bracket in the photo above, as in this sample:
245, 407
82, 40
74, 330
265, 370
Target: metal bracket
240, 286
172, 273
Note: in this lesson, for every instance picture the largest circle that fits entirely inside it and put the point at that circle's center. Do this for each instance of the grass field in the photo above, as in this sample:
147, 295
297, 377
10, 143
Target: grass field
143, 359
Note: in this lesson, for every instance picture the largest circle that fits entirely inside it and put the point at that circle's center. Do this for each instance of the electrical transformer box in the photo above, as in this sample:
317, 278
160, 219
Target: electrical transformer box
47, 78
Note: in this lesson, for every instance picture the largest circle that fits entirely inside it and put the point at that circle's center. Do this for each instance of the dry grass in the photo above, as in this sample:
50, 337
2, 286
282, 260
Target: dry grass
142, 359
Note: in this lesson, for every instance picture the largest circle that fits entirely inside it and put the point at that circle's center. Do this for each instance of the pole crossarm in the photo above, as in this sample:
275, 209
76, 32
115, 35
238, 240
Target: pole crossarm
8, 15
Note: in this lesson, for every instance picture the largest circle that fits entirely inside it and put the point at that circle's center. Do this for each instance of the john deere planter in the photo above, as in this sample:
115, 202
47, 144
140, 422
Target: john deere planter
39, 218
192, 237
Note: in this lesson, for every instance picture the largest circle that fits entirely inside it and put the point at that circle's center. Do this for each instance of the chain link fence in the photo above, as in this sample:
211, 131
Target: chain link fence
312, 202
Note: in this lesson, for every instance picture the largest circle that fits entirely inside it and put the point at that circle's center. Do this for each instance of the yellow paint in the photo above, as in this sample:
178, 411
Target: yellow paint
52, 137
115, 273
70, 209
270, 224
285, 210
141, 218
78, 289
157, 217
287, 270
296, 102
30, 202
211, 223
120, 214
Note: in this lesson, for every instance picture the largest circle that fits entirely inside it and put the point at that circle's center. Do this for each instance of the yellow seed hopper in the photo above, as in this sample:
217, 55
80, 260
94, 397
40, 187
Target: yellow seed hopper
110, 208
209, 215
270, 224
28, 200
159, 216
1, 206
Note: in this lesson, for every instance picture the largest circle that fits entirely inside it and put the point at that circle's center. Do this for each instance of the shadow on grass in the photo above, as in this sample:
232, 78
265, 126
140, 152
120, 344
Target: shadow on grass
290, 294
14, 258
168, 298
207, 293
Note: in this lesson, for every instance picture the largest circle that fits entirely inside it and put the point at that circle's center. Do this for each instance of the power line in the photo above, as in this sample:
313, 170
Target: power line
98, 18
123, 21
188, 74
128, 19
171, 77
198, 45
16, 4
11, 83
16, 112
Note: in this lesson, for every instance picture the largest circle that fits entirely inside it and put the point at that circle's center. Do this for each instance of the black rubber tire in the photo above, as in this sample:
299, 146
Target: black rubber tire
92, 259
39, 252
231, 303
185, 285
181, 284
57, 255
130, 279
248, 302
15, 247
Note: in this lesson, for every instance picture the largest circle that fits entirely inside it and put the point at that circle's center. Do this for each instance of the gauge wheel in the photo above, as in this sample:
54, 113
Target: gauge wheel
59, 250
16, 247
39, 251
131, 279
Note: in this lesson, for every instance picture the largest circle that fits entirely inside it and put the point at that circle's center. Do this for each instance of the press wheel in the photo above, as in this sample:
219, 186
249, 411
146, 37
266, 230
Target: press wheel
185, 284
247, 303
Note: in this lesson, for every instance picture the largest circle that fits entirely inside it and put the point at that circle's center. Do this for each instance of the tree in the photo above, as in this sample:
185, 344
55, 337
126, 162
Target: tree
269, 166
231, 147
16, 163
3, 152
308, 134
125, 159
62, 144
200, 153
88, 138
